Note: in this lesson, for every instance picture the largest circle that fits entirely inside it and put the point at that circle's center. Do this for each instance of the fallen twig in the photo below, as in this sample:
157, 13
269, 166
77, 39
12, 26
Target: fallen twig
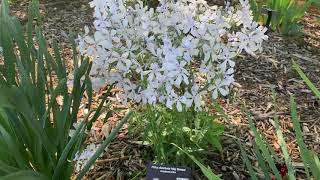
103, 161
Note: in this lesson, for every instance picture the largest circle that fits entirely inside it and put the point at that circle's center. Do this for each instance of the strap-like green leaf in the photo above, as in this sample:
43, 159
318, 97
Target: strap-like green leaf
262, 146
25, 175
205, 170
98, 111
306, 155
8, 50
261, 161
247, 162
282, 143
103, 146
306, 79
73, 140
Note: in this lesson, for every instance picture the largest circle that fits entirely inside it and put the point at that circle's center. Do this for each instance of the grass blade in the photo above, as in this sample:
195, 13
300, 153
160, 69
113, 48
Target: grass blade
264, 149
25, 175
305, 153
102, 147
306, 79
261, 162
282, 143
206, 171
98, 111
63, 157
8, 50
247, 162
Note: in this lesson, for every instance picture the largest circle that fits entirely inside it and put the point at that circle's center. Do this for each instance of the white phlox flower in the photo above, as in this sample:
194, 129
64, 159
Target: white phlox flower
174, 54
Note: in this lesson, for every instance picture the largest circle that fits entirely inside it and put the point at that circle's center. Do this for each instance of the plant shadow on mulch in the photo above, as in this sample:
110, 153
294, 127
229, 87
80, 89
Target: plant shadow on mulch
255, 77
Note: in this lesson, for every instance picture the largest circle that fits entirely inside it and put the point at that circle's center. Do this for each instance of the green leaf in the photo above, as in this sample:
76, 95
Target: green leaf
262, 146
61, 69
205, 170
282, 143
7, 168
73, 140
102, 147
12, 145
89, 89
247, 162
29, 120
25, 175
213, 140
306, 79
98, 111
4, 8
8, 50
261, 162
306, 155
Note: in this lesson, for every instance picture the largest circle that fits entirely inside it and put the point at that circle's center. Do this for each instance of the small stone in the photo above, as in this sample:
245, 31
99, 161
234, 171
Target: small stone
105, 130
290, 125
276, 146
272, 122
249, 144
224, 168
237, 85
235, 175
305, 129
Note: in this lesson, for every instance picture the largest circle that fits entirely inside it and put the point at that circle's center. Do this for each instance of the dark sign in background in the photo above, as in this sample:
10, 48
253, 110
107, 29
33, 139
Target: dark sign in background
167, 172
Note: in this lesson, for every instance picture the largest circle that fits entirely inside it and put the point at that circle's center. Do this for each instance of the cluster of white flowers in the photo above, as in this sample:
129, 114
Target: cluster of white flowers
175, 54
82, 158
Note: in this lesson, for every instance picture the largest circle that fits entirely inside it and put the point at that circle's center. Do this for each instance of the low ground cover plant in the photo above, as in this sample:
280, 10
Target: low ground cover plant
35, 128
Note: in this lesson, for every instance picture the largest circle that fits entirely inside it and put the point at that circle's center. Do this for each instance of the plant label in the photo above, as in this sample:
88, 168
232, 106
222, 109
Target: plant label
167, 172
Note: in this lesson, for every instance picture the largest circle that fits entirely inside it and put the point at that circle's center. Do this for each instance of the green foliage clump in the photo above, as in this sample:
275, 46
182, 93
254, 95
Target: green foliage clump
286, 16
34, 129
195, 132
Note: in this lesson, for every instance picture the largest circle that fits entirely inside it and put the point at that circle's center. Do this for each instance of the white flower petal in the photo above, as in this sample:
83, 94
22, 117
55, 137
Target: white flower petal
215, 94
223, 91
179, 106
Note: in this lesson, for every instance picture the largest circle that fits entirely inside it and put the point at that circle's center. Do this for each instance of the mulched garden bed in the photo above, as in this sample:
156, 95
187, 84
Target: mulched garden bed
255, 77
